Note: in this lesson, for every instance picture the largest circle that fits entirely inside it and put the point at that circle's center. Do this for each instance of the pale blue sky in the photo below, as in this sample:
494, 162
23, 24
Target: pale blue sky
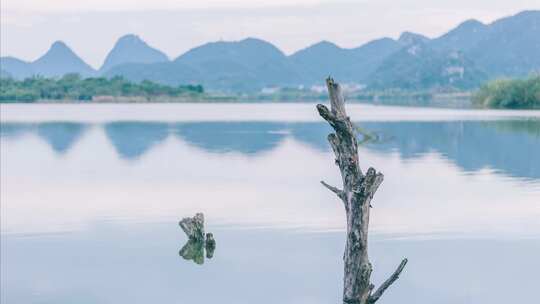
91, 27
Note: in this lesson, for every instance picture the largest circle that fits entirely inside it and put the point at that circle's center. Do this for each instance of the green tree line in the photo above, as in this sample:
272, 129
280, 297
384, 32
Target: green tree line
73, 87
510, 93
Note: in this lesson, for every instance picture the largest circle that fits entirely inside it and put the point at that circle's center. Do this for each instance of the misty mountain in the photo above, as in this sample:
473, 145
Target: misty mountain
463, 58
506, 47
249, 52
466, 56
318, 61
369, 56
15, 67
5, 74
60, 60
409, 38
510, 46
244, 65
170, 73
464, 37
131, 49
247, 64
420, 66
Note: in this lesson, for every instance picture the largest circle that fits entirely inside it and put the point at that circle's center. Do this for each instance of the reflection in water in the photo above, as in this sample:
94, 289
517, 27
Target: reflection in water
295, 267
14, 130
61, 135
126, 210
242, 137
530, 126
133, 139
508, 146
312, 134
193, 251
210, 245
511, 147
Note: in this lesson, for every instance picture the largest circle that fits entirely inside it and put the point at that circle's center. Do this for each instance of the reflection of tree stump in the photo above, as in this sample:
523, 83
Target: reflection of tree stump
194, 248
358, 190
193, 251
194, 227
210, 245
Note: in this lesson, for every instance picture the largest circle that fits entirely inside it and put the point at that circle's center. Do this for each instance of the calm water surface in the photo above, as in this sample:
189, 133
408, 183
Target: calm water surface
91, 196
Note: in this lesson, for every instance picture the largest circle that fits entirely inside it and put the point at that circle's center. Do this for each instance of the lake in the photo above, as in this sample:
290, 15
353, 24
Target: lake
91, 196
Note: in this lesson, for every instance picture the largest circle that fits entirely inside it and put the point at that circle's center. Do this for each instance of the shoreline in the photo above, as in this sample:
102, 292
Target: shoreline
241, 112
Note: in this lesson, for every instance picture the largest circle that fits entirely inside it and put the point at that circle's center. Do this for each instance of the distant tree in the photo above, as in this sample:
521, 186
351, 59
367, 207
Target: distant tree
510, 93
74, 87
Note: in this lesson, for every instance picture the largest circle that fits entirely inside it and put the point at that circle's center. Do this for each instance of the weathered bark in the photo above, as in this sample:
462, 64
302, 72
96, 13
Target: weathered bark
196, 245
194, 227
358, 190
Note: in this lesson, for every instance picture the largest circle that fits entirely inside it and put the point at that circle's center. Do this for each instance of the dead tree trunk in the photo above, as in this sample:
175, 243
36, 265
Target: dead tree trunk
358, 190
194, 227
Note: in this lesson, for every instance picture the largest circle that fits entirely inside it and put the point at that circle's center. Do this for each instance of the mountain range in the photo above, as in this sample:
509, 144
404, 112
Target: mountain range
462, 58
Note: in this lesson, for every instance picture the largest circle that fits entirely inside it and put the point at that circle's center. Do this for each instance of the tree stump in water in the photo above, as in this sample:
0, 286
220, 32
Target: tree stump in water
358, 190
194, 227
197, 244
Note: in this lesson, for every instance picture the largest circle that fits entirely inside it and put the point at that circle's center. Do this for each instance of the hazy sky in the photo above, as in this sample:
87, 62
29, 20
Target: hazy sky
90, 27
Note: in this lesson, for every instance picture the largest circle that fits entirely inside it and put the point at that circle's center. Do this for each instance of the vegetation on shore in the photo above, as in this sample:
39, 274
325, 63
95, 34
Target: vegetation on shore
502, 93
73, 87
509, 94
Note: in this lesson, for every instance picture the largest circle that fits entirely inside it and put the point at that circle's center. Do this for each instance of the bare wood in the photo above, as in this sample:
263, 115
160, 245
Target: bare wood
377, 294
333, 189
193, 227
358, 190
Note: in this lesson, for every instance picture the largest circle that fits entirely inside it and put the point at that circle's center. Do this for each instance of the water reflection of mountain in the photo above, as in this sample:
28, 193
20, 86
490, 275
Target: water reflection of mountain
14, 130
241, 137
61, 136
508, 146
512, 147
133, 139
312, 134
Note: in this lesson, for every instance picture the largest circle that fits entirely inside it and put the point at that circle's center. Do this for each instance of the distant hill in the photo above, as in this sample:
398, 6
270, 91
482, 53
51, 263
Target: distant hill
464, 37
462, 58
60, 60
250, 52
131, 49
506, 47
510, 46
409, 38
16, 67
419, 66
318, 61
244, 65
247, 64
369, 56
5, 74
169, 73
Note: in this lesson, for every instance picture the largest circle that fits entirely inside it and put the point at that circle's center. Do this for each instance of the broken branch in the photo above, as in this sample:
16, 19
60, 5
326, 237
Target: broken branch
377, 294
